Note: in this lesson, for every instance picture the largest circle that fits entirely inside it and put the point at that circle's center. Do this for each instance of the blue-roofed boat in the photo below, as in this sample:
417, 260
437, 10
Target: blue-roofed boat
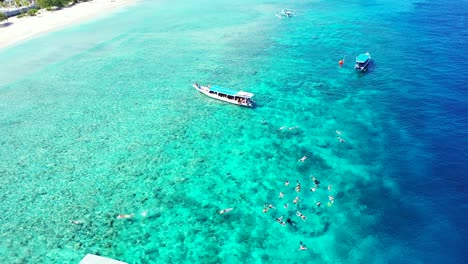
227, 95
362, 61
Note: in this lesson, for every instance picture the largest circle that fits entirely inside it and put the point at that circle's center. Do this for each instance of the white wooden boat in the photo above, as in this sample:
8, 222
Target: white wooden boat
227, 95
95, 259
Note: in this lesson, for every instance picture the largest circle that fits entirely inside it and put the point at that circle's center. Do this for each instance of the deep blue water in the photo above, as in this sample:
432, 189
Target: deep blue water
431, 103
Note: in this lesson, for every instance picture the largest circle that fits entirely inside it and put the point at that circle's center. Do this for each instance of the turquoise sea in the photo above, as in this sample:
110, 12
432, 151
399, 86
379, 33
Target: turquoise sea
101, 119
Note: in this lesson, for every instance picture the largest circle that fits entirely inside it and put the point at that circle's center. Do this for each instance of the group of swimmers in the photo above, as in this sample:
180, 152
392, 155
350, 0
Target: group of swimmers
297, 200
313, 189
267, 207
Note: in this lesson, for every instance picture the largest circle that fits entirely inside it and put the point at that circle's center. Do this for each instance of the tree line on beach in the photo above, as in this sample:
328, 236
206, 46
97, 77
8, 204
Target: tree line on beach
39, 3
47, 4
57, 3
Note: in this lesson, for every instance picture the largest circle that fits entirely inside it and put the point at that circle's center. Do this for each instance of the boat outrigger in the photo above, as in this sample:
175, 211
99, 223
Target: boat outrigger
227, 95
362, 61
285, 13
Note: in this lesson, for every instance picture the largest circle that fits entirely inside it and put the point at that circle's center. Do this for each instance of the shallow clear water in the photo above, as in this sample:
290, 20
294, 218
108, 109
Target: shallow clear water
100, 119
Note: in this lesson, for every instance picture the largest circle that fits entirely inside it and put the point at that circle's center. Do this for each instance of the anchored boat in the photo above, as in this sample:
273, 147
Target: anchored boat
227, 95
285, 13
362, 61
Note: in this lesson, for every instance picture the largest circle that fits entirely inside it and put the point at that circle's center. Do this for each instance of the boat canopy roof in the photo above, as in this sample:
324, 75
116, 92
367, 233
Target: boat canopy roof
363, 57
231, 92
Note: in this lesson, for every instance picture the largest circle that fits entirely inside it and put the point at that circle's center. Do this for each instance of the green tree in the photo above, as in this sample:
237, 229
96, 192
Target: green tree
19, 5
3, 16
33, 11
52, 3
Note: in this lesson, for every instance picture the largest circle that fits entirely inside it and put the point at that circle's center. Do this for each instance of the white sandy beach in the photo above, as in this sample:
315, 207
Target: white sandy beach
21, 29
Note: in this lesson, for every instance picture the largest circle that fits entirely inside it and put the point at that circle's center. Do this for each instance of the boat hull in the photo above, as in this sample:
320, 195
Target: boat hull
362, 68
206, 91
361, 65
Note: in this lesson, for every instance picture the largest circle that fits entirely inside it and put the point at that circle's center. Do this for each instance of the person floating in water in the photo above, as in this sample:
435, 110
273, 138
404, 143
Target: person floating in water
303, 158
302, 246
303, 217
316, 182
341, 140
291, 222
280, 220
226, 210
298, 186
125, 216
281, 195
267, 207
296, 200
286, 183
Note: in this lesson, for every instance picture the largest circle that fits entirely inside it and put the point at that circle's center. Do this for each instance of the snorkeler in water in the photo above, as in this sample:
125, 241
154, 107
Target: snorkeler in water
296, 200
125, 216
291, 222
303, 217
226, 210
302, 246
298, 186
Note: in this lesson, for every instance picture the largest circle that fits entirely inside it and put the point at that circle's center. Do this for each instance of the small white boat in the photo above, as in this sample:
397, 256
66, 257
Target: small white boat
362, 61
227, 95
285, 13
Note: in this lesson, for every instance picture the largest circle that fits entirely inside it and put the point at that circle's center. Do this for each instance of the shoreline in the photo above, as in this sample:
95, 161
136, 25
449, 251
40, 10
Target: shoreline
18, 30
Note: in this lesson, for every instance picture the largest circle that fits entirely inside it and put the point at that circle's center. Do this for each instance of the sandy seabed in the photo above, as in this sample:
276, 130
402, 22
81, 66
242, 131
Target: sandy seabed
16, 30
